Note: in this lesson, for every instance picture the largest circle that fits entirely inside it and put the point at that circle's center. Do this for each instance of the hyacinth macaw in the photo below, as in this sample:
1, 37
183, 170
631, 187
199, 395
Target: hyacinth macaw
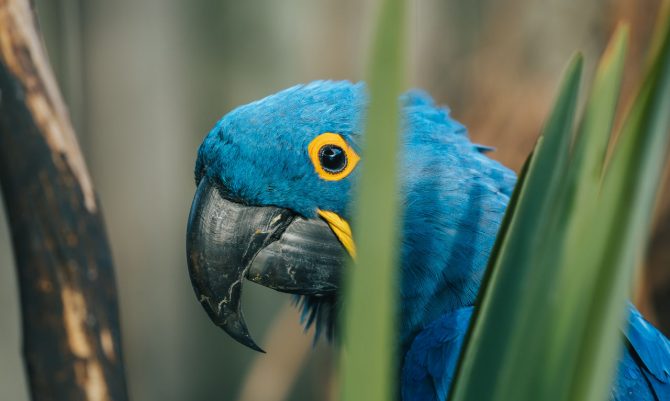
274, 186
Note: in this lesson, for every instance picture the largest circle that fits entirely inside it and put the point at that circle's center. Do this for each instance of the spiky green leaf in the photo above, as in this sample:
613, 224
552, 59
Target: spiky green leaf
368, 363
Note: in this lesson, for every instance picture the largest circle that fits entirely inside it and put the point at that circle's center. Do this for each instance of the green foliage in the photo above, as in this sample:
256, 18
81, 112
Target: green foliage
548, 323
371, 285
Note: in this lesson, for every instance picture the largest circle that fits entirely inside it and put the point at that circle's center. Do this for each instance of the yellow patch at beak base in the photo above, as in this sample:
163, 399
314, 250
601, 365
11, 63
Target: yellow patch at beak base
341, 229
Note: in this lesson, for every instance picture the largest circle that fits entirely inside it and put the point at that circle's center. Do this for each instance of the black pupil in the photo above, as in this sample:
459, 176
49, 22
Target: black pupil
332, 158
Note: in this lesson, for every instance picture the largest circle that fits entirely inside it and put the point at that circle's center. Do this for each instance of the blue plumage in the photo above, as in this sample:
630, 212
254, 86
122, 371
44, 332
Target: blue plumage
454, 200
430, 362
647, 353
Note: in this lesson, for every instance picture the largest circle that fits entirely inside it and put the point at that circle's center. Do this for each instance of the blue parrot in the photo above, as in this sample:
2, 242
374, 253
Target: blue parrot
275, 180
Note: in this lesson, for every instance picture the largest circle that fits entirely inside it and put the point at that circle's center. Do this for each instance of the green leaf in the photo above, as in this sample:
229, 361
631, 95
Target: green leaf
548, 326
499, 340
369, 368
579, 269
623, 216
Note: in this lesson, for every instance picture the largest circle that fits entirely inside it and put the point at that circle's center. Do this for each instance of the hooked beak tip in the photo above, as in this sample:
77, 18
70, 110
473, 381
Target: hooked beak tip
230, 320
223, 238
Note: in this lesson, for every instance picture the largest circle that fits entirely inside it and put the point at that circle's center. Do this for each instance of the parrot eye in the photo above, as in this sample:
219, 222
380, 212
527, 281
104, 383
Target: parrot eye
332, 157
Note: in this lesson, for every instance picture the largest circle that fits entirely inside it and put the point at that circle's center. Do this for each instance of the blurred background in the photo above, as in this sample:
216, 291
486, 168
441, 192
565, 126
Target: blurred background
145, 80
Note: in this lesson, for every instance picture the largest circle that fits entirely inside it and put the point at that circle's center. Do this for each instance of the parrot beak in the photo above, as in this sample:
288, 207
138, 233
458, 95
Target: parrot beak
229, 241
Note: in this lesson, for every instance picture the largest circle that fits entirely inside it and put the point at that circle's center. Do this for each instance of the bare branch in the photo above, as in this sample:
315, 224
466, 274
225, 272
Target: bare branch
68, 293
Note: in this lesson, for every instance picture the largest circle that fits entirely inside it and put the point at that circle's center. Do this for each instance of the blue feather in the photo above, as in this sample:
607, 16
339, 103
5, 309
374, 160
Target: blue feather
430, 362
650, 352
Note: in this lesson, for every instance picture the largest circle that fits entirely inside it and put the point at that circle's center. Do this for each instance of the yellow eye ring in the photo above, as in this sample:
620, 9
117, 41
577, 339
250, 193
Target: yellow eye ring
332, 157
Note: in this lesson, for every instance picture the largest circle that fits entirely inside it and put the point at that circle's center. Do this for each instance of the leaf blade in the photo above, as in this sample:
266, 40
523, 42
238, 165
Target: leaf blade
367, 361
483, 373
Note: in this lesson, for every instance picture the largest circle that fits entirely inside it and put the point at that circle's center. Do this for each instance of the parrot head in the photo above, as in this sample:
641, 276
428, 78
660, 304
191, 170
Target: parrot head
275, 180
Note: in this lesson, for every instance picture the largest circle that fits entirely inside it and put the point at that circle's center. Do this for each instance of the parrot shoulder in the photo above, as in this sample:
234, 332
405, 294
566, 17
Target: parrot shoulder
430, 363
651, 350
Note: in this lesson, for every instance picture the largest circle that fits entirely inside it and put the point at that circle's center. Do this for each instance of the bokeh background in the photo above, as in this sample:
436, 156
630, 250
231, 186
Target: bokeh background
146, 79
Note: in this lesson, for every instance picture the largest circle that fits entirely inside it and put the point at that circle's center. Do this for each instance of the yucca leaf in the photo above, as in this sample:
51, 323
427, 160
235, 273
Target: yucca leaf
594, 133
625, 205
549, 322
371, 290
488, 370
579, 269
507, 219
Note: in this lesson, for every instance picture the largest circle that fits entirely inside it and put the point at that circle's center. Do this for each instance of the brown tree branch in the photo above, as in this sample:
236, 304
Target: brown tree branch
71, 336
